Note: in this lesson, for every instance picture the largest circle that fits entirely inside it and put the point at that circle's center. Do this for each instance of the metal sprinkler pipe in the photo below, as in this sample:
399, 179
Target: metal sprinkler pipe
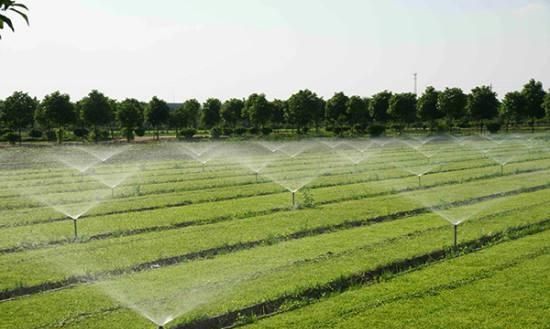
75, 229
293, 199
256, 176
455, 230
419, 180
501, 169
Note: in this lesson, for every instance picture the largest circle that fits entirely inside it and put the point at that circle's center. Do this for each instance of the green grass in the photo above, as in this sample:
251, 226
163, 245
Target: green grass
199, 245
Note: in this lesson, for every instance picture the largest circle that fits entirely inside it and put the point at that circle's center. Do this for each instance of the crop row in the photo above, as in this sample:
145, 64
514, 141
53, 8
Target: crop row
216, 286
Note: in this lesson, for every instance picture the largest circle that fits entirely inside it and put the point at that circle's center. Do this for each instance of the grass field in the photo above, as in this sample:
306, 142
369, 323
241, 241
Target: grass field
296, 234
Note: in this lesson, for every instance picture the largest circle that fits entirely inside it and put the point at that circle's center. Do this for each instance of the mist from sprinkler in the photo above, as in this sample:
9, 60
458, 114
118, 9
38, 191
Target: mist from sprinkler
201, 152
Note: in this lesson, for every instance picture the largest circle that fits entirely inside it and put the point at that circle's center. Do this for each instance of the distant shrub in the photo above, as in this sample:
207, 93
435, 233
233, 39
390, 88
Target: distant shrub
51, 136
81, 132
254, 131
140, 132
240, 131
12, 137
188, 133
101, 135
266, 131
494, 126
227, 131
376, 130
359, 129
35, 133
128, 134
215, 132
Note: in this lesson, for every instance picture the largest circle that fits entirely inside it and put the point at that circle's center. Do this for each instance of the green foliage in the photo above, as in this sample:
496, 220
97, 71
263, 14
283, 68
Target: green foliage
512, 107
140, 131
483, 104
336, 109
188, 133
258, 110
18, 110
546, 104
494, 126
304, 108
452, 103
215, 132
192, 109
12, 137
376, 130
130, 116
35, 133
157, 114
231, 112
278, 110
357, 109
534, 99
97, 110
402, 108
210, 115
378, 106
81, 132
56, 110
427, 108
15, 7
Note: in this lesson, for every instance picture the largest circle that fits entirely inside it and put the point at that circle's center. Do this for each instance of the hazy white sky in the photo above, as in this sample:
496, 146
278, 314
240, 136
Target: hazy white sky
178, 49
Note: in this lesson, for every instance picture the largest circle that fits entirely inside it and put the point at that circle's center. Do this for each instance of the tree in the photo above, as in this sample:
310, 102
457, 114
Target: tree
512, 107
130, 116
426, 107
157, 114
258, 109
178, 119
97, 110
402, 108
231, 112
452, 103
482, 105
210, 115
546, 103
336, 109
278, 110
18, 111
378, 106
304, 107
56, 109
534, 97
11, 6
192, 109
358, 111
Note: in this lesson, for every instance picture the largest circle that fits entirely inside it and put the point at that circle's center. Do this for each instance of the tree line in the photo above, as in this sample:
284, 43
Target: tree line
97, 116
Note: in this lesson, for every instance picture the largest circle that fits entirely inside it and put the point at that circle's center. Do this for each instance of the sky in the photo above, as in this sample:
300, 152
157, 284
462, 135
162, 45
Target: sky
181, 49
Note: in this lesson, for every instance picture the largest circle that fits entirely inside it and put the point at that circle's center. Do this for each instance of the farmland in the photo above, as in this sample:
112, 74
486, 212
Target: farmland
327, 233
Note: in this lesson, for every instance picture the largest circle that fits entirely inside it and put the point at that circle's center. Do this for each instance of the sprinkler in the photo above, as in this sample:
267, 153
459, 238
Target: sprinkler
455, 229
501, 169
293, 199
75, 229
161, 327
419, 180
256, 176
